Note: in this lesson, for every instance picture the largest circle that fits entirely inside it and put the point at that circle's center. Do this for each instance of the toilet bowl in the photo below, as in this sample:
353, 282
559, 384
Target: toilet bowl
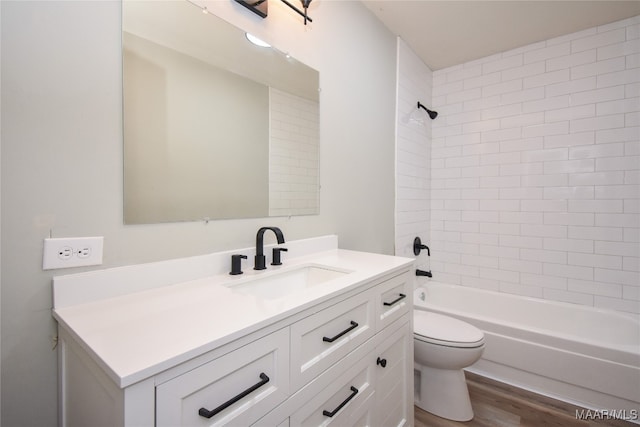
443, 347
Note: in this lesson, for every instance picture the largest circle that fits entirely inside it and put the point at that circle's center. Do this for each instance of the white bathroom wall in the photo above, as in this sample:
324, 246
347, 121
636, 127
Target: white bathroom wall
294, 149
413, 149
62, 164
535, 170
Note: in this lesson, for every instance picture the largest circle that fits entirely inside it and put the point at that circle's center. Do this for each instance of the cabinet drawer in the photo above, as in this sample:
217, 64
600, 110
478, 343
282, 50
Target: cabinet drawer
393, 300
320, 340
237, 388
346, 400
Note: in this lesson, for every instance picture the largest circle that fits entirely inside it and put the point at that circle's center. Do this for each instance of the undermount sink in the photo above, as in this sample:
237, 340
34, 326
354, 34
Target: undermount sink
279, 284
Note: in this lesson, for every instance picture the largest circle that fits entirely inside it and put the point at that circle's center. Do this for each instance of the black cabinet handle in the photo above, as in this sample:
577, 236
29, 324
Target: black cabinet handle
326, 413
349, 329
382, 362
402, 296
203, 412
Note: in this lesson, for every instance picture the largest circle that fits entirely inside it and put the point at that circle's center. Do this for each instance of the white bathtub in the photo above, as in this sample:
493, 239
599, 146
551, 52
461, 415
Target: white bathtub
578, 354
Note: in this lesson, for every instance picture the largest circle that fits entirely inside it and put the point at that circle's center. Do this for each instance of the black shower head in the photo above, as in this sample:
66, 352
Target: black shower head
432, 114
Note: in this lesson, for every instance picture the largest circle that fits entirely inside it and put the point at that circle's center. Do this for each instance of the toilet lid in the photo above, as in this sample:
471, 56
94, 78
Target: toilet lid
445, 330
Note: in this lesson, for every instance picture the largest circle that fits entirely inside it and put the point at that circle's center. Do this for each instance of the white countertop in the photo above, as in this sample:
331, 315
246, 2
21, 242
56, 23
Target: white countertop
138, 335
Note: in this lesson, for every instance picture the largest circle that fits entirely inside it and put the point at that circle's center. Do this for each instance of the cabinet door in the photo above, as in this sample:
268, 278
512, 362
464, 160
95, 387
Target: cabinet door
393, 300
237, 388
321, 340
394, 376
343, 402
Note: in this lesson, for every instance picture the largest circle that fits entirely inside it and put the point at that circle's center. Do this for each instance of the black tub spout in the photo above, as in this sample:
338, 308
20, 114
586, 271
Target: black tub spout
423, 273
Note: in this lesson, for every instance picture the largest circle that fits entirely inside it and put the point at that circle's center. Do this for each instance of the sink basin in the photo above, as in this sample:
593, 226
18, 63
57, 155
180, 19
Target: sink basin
284, 283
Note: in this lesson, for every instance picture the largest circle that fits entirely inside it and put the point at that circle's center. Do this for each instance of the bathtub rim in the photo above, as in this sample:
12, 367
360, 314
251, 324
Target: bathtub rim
625, 352
628, 315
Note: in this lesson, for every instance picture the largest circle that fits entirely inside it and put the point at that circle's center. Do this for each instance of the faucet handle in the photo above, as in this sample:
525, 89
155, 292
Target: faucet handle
236, 264
418, 246
276, 255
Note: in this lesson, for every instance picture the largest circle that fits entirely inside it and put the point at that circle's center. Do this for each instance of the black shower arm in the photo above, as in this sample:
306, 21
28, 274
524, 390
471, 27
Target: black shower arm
432, 114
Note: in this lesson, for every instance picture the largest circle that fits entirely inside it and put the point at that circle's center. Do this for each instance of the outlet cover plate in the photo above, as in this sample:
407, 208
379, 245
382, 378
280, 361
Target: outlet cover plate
72, 252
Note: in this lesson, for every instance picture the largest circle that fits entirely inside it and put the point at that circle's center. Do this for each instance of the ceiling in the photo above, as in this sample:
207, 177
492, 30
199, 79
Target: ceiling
446, 33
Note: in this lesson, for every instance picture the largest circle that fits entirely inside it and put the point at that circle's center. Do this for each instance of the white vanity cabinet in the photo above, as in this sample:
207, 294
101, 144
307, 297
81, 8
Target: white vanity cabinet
372, 385
343, 361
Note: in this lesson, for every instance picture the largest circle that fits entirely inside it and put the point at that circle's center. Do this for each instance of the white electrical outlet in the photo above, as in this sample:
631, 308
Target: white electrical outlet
72, 252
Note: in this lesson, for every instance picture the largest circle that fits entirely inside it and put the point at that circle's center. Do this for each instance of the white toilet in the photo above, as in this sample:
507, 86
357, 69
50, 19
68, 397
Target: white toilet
443, 347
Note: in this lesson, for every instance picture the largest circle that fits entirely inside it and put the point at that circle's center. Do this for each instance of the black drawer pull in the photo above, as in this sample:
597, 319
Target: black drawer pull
346, 331
208, 414
326, 413
382, 362
402, 296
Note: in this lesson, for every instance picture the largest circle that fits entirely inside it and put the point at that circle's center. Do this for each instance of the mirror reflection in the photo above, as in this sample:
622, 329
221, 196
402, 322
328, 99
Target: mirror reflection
215, 127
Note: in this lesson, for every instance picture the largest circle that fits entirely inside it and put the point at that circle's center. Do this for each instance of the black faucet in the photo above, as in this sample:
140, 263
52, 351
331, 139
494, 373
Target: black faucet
260, 259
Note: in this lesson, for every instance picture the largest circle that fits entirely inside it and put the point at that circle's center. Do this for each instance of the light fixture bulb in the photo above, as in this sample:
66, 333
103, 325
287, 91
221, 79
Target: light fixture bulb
255, 40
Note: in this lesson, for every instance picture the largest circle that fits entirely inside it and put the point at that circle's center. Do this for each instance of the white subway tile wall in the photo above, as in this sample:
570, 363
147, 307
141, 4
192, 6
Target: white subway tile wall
413, 162
293, 155
535, 168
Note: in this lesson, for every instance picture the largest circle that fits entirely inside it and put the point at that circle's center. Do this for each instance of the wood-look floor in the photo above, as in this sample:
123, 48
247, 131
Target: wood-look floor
500, 405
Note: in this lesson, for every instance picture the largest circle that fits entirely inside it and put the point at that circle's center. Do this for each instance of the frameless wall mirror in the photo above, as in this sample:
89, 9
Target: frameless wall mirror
215, 127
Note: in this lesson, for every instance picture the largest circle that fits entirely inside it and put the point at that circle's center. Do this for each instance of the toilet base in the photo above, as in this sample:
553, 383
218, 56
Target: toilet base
444, 393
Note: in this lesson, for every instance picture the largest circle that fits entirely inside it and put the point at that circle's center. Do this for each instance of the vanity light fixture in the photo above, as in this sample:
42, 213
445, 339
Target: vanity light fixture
432, 114
305, 6
260, 7
255, 40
